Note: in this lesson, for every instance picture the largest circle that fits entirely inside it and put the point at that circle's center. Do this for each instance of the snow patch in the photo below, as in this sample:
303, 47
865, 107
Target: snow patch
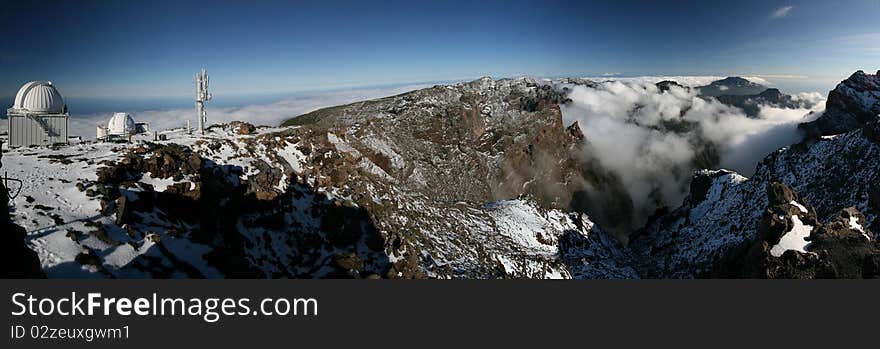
159, 184
854, 224
799, 206
293, 157
795, 239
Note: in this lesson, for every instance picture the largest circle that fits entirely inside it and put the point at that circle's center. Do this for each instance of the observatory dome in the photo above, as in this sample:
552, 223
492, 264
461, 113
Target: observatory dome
39, 97
121, 123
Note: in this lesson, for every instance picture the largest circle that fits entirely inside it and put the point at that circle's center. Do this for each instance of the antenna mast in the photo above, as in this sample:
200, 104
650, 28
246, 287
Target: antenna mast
202, 96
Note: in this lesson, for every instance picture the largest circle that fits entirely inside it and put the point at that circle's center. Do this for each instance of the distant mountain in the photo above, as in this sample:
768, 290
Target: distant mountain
854, 102
665, 85
751, 104
732, 86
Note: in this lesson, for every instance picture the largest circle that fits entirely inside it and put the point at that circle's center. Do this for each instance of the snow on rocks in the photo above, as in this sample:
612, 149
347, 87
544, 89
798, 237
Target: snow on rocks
799, 206
795, 239
89, 232
832, 174
722, 210
855, 225
720, 220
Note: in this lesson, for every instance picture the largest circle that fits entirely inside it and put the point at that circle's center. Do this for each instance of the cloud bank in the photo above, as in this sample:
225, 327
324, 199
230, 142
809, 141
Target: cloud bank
651, 141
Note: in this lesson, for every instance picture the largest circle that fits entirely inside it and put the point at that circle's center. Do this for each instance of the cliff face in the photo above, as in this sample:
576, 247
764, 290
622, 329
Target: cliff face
18, 261
479, 141
853, 103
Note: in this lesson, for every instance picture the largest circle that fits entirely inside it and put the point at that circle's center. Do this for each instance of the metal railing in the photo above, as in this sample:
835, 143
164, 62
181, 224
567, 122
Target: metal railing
8, 192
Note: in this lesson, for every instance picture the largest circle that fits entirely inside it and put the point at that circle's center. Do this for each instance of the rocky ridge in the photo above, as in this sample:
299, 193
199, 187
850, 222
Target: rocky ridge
727, 222
854, 102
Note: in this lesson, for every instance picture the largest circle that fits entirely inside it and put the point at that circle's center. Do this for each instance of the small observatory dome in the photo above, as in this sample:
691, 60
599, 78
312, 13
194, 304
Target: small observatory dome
39, 97
120, 124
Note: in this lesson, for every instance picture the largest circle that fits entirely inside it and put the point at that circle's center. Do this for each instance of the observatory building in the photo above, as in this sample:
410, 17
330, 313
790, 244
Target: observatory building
120, 126
38, 116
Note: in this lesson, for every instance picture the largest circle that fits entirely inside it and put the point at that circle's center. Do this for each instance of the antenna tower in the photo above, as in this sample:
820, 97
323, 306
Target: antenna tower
202, 96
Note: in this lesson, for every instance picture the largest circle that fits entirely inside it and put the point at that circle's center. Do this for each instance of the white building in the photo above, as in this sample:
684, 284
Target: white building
38, 116
120, 126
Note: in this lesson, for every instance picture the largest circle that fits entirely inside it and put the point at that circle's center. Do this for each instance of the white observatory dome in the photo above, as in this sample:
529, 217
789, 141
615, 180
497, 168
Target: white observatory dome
120, 124
39, 97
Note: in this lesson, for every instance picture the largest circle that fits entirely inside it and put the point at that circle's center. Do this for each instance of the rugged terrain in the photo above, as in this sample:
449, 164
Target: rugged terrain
854, 102
729, 224
473, 180
469, 180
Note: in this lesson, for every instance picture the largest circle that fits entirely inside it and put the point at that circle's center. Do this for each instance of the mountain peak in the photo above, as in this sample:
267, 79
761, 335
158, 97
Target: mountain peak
665, 85
860, 81
770, 92
853, 103
733, 86
733, 80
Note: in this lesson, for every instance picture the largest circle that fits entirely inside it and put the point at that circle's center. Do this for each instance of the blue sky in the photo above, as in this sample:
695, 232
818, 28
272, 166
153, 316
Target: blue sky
124, 49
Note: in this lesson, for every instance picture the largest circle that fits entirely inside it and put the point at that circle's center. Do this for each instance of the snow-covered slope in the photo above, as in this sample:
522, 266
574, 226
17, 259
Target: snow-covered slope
832, 173
260, 202
726, 214
722, 210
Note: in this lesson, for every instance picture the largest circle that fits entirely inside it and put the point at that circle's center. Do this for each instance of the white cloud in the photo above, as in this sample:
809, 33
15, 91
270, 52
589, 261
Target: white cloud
781, 12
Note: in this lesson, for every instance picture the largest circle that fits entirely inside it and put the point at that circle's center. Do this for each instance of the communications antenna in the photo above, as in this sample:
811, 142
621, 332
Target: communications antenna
202, 96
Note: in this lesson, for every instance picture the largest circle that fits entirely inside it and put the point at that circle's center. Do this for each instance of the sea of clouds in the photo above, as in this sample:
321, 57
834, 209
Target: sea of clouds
626, 122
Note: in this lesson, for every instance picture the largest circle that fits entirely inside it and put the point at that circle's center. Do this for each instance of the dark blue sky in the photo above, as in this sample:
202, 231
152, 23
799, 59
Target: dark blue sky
152, 48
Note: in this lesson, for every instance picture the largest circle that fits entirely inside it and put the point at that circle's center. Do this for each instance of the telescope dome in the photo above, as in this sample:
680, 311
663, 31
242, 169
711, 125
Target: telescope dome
121, 123
39, 97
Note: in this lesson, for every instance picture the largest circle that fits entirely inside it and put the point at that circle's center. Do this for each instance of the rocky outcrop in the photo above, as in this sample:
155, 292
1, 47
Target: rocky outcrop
832, 173
666, 85
240, 128
853, 103
792, 244
240, 218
